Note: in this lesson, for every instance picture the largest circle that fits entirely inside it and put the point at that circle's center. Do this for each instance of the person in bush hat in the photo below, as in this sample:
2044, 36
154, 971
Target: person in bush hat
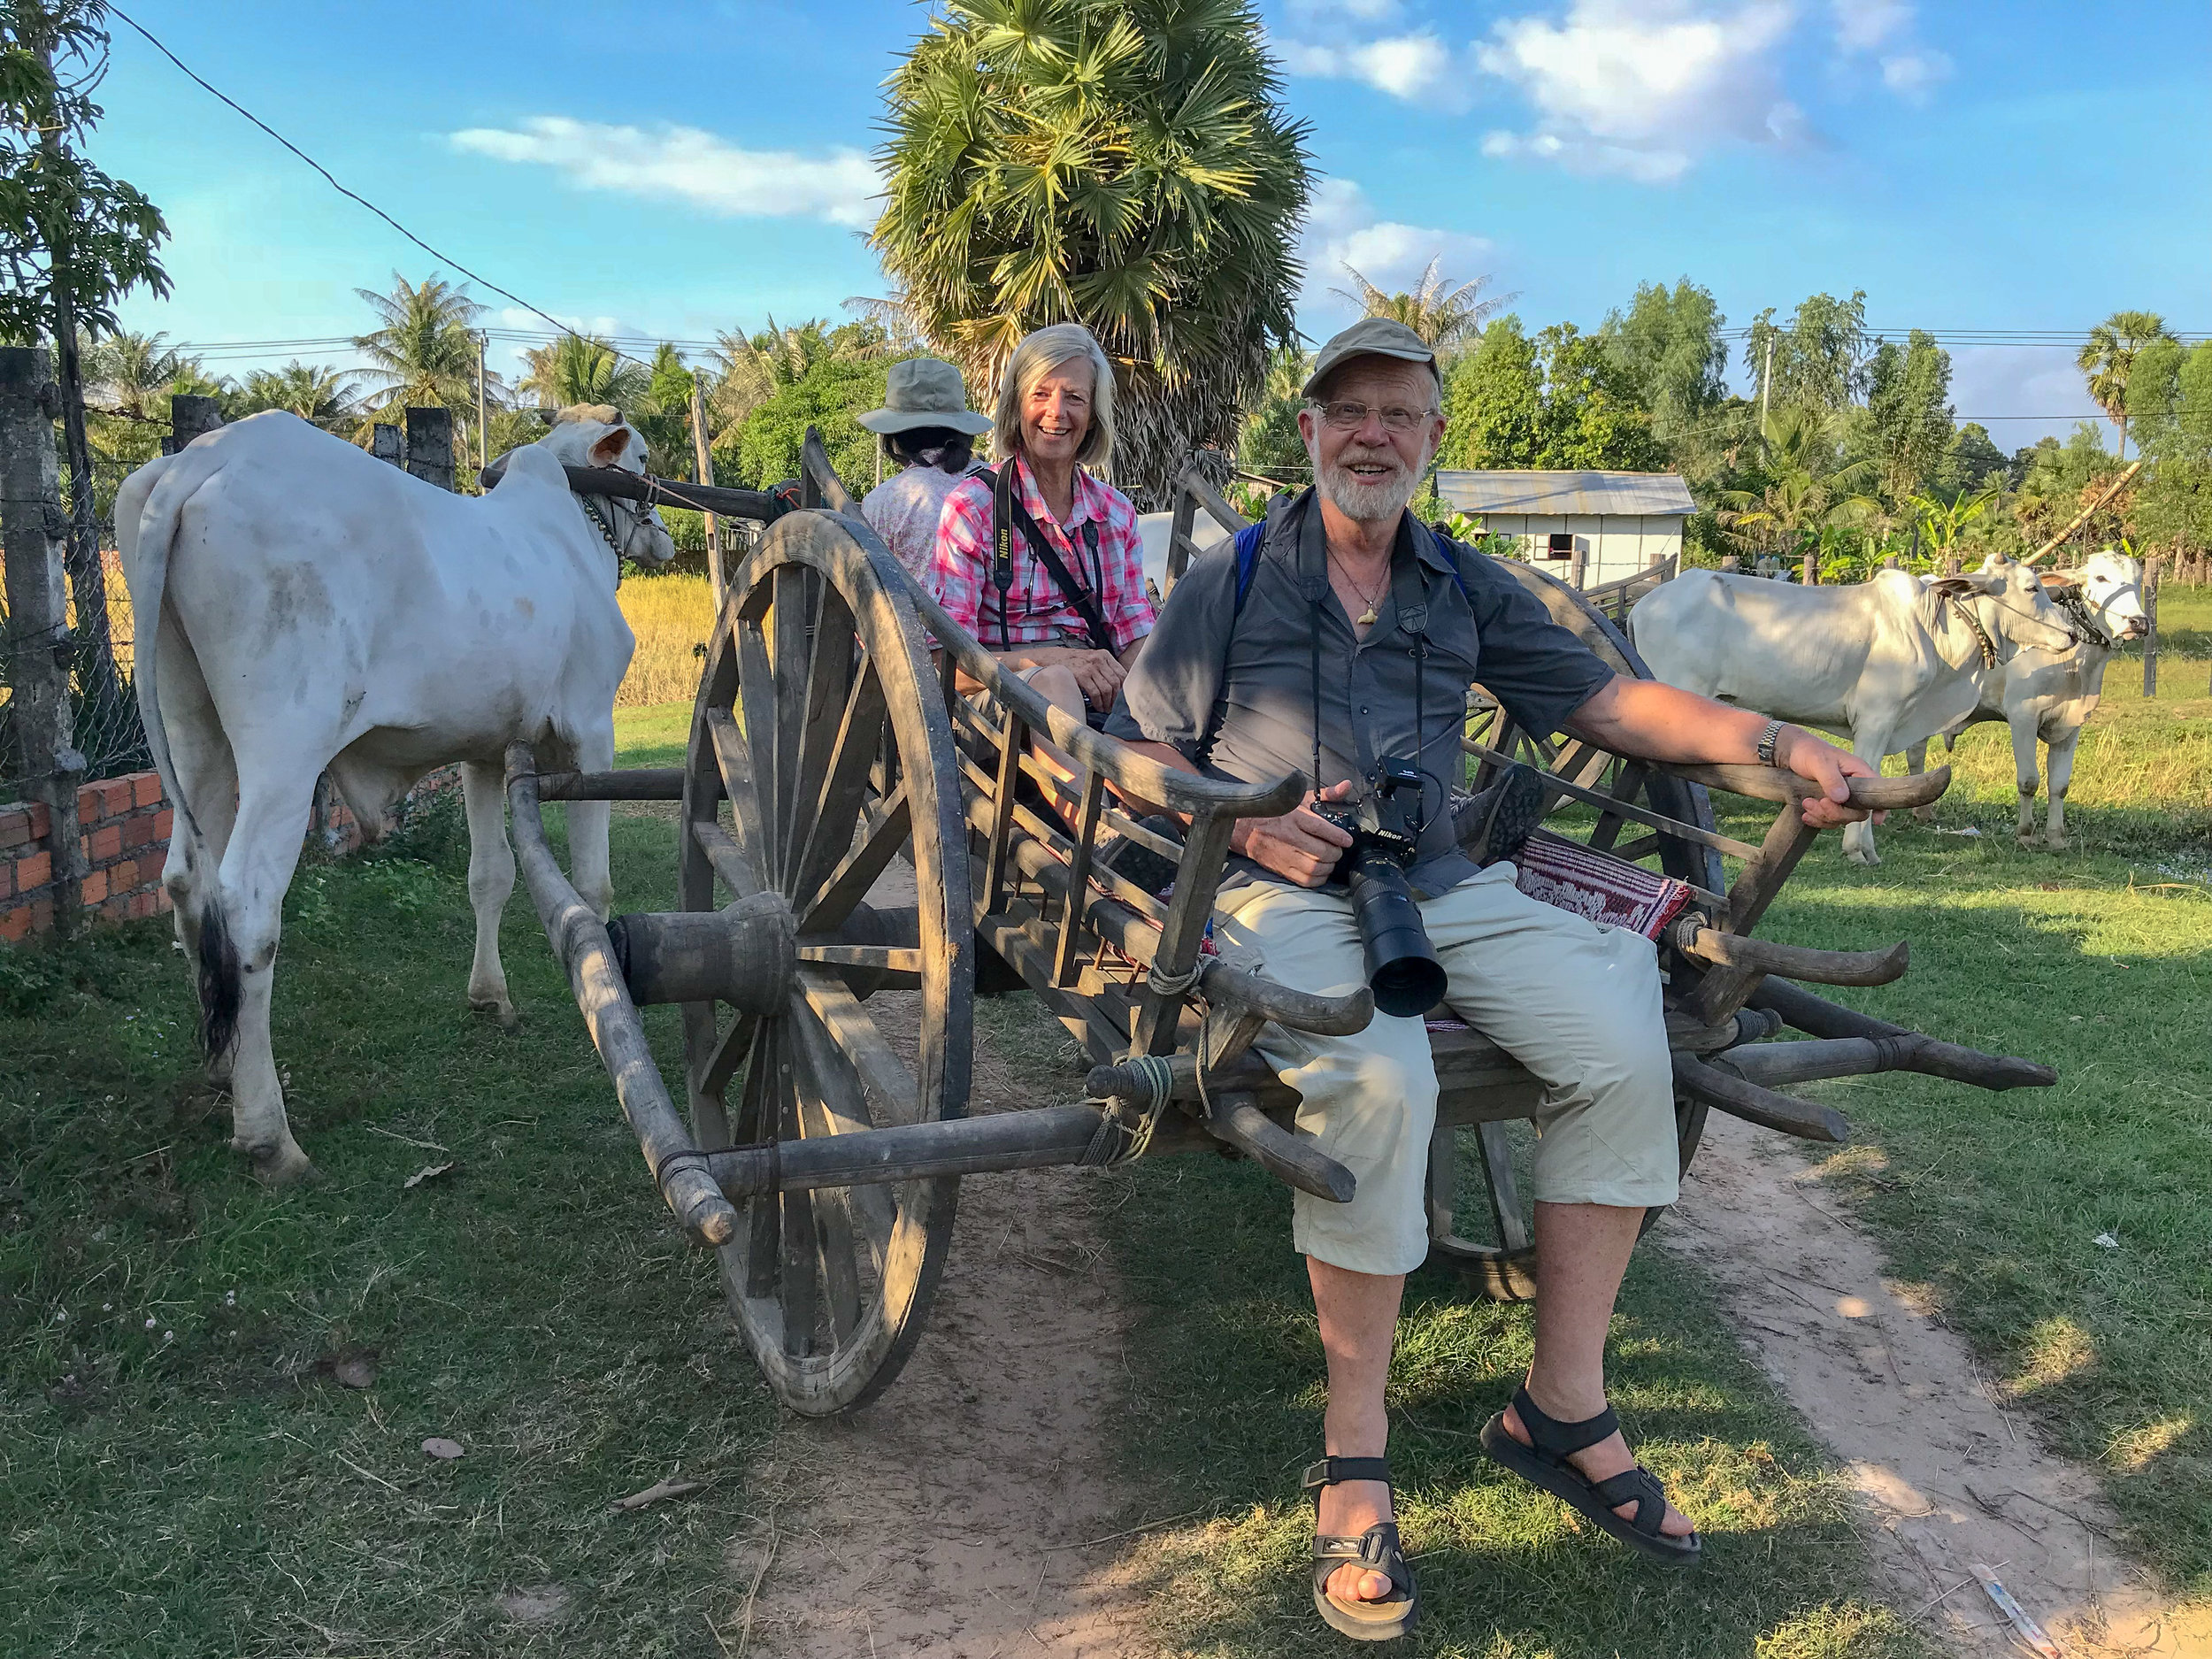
929, 430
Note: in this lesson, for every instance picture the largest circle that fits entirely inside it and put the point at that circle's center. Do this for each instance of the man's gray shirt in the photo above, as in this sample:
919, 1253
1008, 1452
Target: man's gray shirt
1247, 676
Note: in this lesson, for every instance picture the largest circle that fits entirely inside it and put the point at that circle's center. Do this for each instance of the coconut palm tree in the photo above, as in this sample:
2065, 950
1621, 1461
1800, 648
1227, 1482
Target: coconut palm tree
129, 371
424, 353
585, 369
1440, 313
312, 391
2108, 354
1124, 163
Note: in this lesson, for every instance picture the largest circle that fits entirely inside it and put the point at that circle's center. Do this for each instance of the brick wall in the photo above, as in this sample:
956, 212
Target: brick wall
123, 826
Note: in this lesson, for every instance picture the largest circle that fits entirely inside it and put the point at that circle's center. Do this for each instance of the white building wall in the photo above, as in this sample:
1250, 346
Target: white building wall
1613, 546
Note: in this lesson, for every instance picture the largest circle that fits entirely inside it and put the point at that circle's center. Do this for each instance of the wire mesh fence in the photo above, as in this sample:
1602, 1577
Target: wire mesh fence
94, 644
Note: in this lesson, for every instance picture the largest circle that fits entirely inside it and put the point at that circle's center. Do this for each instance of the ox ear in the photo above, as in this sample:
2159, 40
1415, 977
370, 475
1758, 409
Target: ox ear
1960, 587
610, 446
2058, 581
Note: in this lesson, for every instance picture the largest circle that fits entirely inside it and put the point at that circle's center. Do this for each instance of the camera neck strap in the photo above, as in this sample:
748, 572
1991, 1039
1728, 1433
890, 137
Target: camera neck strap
1008, 514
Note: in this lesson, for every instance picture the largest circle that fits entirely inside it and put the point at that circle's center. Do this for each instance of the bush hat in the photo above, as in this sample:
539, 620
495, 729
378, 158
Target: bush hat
1371, 336
924, 392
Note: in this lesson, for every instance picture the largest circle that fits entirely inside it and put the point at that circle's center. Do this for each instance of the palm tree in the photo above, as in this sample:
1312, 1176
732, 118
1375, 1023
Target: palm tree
424, 353
129, 371
585, 369
749, 368
2108, 354
1438, 313
1806, 495
1124, 163
310, 390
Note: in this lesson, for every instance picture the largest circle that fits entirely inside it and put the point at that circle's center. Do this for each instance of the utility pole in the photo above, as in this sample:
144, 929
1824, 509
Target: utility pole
1766, 379
483, 454
705, 459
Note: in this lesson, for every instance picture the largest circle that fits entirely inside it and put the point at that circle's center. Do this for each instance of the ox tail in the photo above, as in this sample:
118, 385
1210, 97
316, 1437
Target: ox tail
147, 539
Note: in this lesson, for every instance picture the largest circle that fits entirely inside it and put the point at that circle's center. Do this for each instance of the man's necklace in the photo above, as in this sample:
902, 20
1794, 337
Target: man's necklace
1371, 616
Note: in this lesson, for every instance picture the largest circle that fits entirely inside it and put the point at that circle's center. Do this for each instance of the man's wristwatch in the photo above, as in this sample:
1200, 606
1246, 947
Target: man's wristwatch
1766, 742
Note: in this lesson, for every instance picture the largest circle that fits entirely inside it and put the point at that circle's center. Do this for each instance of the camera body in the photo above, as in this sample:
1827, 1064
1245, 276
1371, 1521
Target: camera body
1384, 824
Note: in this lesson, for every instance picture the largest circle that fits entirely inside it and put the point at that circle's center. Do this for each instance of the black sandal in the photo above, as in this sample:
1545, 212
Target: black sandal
1543, 1463
1508, 810
1377, 1549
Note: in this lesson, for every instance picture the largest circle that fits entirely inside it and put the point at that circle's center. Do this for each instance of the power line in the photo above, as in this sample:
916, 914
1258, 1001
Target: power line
331, 179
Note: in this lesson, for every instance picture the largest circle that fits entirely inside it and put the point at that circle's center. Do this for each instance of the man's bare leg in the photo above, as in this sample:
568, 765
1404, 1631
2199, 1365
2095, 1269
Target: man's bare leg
1582, 1251
1359, 1314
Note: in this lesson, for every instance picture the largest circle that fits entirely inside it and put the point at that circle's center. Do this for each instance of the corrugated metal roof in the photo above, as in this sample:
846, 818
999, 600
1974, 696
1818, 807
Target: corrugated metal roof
1647, 494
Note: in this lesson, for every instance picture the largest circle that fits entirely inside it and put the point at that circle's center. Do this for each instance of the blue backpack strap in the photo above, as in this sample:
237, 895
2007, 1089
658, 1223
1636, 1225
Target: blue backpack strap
1249, 540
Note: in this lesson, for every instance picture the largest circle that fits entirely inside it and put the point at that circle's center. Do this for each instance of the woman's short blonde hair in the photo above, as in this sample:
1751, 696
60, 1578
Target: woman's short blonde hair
1036, 357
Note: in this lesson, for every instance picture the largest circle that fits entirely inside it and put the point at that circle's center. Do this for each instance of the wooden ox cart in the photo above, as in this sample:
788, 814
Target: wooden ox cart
820, 1148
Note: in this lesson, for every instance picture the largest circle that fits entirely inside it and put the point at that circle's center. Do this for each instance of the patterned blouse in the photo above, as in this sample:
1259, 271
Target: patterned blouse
1036, 611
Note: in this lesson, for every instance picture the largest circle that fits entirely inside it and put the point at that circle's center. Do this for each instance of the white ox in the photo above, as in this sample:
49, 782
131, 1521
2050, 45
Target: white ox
1889, 662
313, 609
2048, 695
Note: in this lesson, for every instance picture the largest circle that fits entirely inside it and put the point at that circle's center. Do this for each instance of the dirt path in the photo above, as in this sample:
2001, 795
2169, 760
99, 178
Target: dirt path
1946, 1475
946, 1520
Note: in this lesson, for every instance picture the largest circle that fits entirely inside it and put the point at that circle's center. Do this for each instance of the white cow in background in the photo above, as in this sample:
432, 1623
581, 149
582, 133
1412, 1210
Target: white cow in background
1156, 530
1890, 661
2048, 695
309, 607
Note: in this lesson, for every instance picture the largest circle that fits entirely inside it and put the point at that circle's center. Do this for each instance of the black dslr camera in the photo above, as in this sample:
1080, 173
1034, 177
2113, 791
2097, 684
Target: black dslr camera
1385, 826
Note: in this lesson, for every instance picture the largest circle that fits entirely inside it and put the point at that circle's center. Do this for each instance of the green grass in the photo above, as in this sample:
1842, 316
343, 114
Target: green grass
178, 1472
1225, 1373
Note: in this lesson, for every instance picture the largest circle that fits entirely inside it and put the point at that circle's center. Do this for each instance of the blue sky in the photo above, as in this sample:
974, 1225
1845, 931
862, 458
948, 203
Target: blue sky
685, 167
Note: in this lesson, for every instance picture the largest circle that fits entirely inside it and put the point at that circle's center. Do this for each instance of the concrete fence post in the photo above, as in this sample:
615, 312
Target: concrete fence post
430, 446
1579, 567
2150, 634
191, 417
387, 443
40, 738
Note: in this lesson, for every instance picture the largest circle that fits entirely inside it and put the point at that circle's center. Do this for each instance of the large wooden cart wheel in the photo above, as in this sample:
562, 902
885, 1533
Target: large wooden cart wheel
1502, 1266
820, 749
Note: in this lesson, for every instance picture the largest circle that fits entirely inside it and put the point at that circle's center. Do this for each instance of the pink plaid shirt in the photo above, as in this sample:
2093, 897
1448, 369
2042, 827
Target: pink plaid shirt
1038, 614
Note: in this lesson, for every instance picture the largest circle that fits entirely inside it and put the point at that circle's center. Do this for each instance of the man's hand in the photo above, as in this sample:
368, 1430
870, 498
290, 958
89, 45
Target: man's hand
1297, 845
1822, 762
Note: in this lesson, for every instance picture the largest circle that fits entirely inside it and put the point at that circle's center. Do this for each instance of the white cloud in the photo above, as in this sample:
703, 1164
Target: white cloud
1864, 25
1343, 228
1909, 70
1418, 68
1643, 87
1914, 76
683, 164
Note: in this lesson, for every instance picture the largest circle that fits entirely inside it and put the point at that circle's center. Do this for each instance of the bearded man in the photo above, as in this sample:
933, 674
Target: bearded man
1357, 638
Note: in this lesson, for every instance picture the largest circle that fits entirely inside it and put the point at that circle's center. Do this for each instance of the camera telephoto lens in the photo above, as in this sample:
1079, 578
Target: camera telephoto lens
1402, 966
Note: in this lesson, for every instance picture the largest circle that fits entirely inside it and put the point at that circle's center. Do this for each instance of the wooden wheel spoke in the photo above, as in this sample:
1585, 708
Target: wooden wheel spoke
796, 1242
893, 959
711, 1072
790, 625
835, 1246
837, 805
837, 1104
826, 692
727, 856
759, 811
887, 1086
878, 843
755, 1124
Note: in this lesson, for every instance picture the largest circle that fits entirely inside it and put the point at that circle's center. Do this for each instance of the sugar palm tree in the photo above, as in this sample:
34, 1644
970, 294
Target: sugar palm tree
2108, 354
585, 369
1124, 163
424, 355
1442, 313
313, 391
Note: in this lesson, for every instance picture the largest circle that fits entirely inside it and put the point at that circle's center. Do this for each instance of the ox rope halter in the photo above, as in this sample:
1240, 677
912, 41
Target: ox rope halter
2071, 602
1974, 625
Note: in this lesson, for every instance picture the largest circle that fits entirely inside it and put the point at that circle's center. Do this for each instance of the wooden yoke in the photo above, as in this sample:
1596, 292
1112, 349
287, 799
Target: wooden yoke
1726, 988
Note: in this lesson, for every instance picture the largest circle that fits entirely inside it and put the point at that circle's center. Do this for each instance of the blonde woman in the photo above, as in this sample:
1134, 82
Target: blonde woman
1067, 608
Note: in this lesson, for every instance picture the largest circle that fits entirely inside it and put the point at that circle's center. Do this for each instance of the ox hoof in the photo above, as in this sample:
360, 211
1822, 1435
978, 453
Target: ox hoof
1923, 815
2056, 844
2028, 840
1865, 859
499, 1007
284, 1165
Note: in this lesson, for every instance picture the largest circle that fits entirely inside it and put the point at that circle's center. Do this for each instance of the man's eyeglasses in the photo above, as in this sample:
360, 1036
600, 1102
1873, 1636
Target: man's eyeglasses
1346, 416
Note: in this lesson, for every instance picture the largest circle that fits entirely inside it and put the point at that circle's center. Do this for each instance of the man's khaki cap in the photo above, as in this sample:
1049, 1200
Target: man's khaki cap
1371, 336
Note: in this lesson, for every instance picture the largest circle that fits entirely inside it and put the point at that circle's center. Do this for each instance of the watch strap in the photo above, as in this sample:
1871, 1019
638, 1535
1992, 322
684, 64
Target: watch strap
1766, 742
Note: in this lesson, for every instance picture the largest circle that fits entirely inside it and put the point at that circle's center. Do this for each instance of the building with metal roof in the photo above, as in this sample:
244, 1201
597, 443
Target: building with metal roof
1590, 528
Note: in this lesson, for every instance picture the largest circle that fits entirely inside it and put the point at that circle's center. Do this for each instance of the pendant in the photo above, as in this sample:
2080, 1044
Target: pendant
1369, 618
